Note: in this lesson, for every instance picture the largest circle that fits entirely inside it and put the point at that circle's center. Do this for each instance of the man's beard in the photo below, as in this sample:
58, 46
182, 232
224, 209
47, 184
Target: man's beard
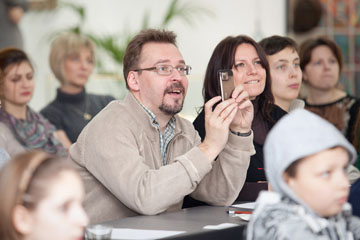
169, 109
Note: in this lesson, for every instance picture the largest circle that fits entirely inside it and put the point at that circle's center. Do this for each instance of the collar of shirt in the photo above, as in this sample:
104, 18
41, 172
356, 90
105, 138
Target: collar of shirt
169, 132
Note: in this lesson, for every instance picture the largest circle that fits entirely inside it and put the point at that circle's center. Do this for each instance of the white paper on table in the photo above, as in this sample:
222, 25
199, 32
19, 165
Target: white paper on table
221, 226
129, 233
245, 217
249, 205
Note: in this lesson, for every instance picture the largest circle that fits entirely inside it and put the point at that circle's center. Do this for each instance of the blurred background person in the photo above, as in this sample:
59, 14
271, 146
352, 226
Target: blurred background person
286, 75
11, 12
321, 63
21, 127
43, 201
305, 159
72, 60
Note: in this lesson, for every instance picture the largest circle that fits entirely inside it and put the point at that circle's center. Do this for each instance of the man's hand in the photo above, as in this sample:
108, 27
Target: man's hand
15, 14
217, 124
245, 111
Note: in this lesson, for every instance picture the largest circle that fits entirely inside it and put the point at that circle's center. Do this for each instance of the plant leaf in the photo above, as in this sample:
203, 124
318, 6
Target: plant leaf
145, 20
186, 12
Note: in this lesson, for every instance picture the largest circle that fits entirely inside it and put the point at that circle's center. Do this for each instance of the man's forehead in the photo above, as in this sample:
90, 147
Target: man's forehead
156, 53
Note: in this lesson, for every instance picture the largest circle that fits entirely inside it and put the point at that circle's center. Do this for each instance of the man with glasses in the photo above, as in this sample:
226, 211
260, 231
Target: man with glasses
137, 156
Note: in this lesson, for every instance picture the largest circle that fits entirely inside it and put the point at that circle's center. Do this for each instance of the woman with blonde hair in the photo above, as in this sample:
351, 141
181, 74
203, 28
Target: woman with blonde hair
72, 60
21, 128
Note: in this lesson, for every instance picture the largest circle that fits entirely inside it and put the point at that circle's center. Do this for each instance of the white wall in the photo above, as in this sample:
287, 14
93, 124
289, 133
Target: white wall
196, 42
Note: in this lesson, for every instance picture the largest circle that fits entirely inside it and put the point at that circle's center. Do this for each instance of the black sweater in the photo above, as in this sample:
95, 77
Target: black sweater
67, 111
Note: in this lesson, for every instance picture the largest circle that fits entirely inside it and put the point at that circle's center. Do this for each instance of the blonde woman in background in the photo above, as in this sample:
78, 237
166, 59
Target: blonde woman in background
72, 60
43, 201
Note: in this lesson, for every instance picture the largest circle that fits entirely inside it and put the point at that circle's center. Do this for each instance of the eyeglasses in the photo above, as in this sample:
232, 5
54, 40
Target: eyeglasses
166, 70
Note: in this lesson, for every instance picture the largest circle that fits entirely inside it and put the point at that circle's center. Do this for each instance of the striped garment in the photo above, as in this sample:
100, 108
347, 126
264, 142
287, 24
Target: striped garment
34, 132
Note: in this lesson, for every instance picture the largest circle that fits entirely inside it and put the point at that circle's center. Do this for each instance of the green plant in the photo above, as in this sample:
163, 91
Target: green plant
114, 45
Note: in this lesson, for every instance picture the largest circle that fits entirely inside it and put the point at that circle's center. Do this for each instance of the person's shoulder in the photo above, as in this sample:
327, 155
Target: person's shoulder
53, 108
349, 96
104, 99
296, 104
115, 106
280, 221
4, 157
4, 129
54, 114
8, 141
276, 114
271, 206
6, 135
116, 111
354, 103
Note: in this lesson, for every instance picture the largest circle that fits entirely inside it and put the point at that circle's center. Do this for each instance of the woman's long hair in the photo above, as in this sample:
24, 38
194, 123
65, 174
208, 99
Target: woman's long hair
223, 57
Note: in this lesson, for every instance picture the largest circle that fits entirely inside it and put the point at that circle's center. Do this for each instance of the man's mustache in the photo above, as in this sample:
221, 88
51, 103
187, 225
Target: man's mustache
175, 86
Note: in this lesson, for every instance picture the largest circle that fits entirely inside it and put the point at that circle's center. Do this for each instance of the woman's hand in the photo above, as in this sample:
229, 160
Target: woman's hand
245, 111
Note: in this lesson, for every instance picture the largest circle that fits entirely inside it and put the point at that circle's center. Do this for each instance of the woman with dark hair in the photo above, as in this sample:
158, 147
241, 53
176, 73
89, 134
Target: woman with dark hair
286, 75
321, 63
21, 128
250, 68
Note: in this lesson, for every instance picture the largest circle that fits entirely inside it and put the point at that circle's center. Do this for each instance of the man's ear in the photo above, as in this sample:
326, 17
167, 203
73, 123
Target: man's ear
22, 219
133, 81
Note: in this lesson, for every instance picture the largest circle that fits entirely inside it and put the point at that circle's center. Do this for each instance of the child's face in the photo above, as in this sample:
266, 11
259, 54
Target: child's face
60, 214
321, 181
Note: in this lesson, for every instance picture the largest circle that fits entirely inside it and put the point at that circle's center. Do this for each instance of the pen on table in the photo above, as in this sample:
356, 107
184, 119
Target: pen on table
238, 212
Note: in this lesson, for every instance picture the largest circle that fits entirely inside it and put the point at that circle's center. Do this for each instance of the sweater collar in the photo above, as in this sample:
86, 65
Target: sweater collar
70, 98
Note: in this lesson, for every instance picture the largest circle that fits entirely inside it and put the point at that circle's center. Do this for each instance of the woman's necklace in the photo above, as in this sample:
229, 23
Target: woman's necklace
87, 116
